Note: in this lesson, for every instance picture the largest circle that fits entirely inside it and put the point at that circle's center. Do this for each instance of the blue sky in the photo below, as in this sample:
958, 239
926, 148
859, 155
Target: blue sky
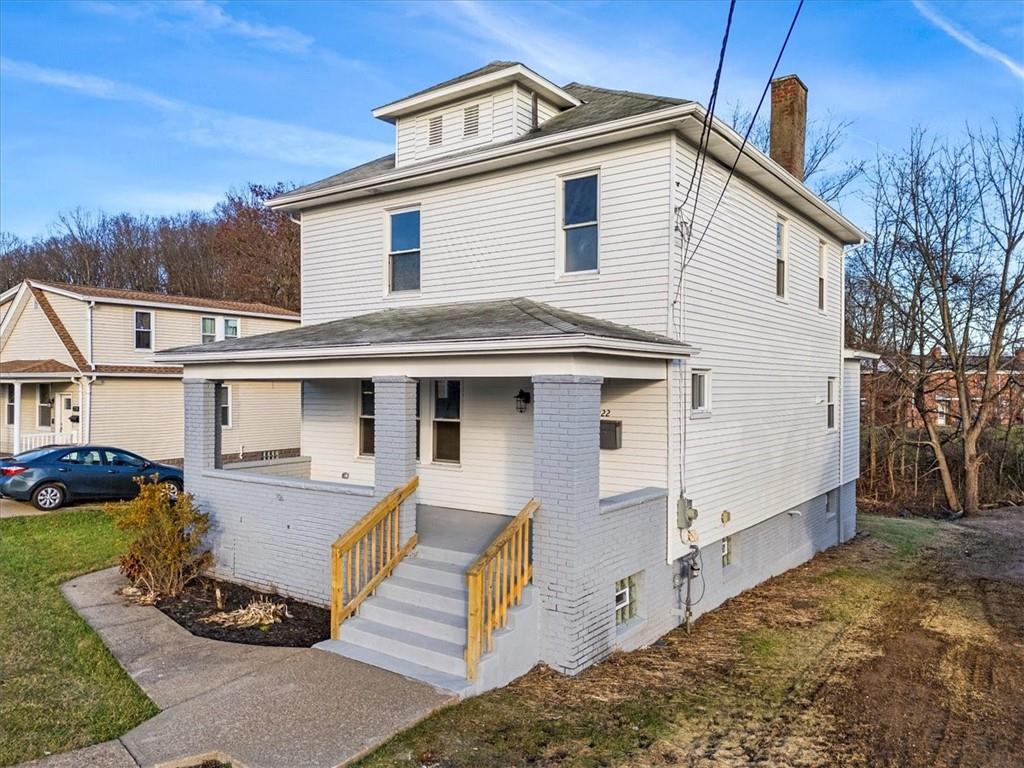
158, 107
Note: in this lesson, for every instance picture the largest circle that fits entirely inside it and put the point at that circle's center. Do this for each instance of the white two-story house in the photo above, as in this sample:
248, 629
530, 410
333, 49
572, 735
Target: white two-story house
543, 423
76, 366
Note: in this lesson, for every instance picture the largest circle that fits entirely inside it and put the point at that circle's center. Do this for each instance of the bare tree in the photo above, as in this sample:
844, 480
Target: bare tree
946, 272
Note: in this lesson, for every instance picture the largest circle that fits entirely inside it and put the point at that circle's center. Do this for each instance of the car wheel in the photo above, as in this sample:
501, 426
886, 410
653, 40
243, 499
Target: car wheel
173, 488
48, 497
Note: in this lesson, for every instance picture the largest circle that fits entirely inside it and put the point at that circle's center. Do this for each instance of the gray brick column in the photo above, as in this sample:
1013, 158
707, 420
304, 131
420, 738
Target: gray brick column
202, 428
394, 437
576, 593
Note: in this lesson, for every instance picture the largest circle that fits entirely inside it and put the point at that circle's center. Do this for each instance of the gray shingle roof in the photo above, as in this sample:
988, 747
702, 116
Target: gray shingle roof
471, 321
600, 105
486, 69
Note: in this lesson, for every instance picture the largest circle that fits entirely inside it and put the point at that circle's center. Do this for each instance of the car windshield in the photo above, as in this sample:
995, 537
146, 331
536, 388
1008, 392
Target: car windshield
31, 455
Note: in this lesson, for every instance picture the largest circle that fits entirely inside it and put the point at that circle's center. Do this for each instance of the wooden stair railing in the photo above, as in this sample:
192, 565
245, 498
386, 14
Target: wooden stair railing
367, 553
495, 584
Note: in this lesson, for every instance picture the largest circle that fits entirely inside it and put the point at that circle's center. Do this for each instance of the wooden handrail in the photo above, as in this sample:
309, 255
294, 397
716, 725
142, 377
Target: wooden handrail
367, 553
495, 583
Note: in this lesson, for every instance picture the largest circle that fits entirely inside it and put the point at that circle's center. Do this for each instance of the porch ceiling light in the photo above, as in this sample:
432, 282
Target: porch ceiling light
522, 401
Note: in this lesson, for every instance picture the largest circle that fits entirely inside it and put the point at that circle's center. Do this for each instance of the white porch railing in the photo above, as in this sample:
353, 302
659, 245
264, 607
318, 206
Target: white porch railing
35, 440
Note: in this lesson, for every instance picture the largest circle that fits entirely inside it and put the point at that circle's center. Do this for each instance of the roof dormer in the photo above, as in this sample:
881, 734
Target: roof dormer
496, 103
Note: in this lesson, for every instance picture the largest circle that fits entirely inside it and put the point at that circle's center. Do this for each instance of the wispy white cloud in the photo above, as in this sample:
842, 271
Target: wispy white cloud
212, 128
211, 17
968, 40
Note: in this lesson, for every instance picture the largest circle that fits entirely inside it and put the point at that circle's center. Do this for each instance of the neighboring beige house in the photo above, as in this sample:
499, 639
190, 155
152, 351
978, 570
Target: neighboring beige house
76, 366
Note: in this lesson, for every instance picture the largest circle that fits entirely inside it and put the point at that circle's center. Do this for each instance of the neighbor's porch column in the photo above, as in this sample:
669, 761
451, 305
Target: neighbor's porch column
16, 445
202, 427
576, 600
394, 438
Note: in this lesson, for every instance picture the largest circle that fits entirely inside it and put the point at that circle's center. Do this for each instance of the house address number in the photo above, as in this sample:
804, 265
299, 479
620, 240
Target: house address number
605, 412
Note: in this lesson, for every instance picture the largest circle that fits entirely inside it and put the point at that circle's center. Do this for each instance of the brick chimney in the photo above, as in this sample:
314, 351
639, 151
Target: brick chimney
789, 123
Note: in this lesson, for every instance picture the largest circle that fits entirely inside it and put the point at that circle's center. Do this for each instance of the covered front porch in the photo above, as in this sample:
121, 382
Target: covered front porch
42, 405
537, 474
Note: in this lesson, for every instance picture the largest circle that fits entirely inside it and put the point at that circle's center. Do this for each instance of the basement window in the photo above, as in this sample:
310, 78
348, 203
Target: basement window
626, 599
727, 551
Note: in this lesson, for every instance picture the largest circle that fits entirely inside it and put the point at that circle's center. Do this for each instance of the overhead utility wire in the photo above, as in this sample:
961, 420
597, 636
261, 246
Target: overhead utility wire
746, 136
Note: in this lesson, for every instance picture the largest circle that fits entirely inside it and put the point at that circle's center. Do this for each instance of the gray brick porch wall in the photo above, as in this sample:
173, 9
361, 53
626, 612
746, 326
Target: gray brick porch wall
272, 533
394, 436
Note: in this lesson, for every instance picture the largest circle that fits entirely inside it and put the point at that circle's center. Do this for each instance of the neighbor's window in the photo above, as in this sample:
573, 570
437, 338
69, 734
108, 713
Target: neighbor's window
625, 599
447, 420
822, 273
143, 330
230, 327
579, 223
366, 412
830, 402
941, 412
781, 249
727, 551
44, 414
10, 403
404, 251
700, 401
471, 120
209, 329
224, 406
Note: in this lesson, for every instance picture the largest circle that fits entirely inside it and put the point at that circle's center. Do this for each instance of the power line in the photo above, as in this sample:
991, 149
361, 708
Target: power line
746, 136
705, 131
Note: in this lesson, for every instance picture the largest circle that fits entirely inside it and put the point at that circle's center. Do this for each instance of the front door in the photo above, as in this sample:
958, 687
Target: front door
64, 423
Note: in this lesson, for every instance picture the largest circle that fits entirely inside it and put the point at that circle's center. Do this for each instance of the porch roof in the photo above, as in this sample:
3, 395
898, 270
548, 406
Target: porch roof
483, 326
36, 367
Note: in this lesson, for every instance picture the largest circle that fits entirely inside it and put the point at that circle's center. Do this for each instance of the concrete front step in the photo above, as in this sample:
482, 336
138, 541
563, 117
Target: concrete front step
404, 667
428, 571
453, 556
441, 655
415, 617
434, 596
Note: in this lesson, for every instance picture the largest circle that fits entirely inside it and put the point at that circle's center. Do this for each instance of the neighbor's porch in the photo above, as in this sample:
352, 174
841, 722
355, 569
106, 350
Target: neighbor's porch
38, 410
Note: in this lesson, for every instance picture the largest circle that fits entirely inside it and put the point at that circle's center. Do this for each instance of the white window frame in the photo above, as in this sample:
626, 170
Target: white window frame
942, 411
50, 404
136, 330
224, 327
561, 228
728, 552
361, 418
202, 330
831, 412
226, 389
388, 253
434, 419
781, 256
822, 276
704, 410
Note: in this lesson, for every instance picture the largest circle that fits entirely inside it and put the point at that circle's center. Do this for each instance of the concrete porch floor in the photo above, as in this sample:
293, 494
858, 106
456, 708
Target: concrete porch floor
461, 530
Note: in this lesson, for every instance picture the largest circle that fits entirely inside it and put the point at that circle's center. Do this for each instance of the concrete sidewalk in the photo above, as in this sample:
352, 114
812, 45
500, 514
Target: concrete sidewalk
258, 707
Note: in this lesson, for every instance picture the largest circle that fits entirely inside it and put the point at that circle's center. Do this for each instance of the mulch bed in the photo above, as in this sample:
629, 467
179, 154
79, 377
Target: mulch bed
308, 625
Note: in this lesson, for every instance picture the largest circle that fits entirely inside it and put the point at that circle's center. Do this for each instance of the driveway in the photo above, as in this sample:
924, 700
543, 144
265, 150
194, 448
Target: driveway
255, 706
12, 508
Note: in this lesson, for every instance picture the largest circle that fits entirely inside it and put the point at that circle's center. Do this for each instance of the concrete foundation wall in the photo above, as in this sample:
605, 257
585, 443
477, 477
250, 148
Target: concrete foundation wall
848, 511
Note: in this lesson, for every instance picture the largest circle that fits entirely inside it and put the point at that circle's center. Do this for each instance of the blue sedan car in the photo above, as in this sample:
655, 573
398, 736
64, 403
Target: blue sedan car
52, 476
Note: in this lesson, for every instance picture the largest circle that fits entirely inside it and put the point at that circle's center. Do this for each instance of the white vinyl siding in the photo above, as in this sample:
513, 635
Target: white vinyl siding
495, 237
443, 130
770, 360
32, 337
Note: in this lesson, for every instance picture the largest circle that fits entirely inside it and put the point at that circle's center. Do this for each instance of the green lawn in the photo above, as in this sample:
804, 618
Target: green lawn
60, 688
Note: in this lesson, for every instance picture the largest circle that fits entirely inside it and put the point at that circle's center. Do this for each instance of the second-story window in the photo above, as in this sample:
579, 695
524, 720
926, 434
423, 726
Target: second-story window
404, 251
209, 329
579, 223
143, 330
822, 274
230, 327
781, 248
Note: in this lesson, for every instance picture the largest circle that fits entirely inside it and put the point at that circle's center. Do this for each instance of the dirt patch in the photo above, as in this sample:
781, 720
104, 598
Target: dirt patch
902, 648
307, 625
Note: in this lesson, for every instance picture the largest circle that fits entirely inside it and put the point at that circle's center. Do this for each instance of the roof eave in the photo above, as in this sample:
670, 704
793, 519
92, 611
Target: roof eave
436, 96
668, 118
541, 344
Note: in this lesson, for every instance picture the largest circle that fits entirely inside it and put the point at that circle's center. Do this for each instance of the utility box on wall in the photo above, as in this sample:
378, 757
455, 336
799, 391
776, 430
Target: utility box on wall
611, 434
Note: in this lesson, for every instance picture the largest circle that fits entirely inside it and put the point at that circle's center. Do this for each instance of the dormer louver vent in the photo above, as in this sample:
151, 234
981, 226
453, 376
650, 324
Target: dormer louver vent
471, 120
436, 133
